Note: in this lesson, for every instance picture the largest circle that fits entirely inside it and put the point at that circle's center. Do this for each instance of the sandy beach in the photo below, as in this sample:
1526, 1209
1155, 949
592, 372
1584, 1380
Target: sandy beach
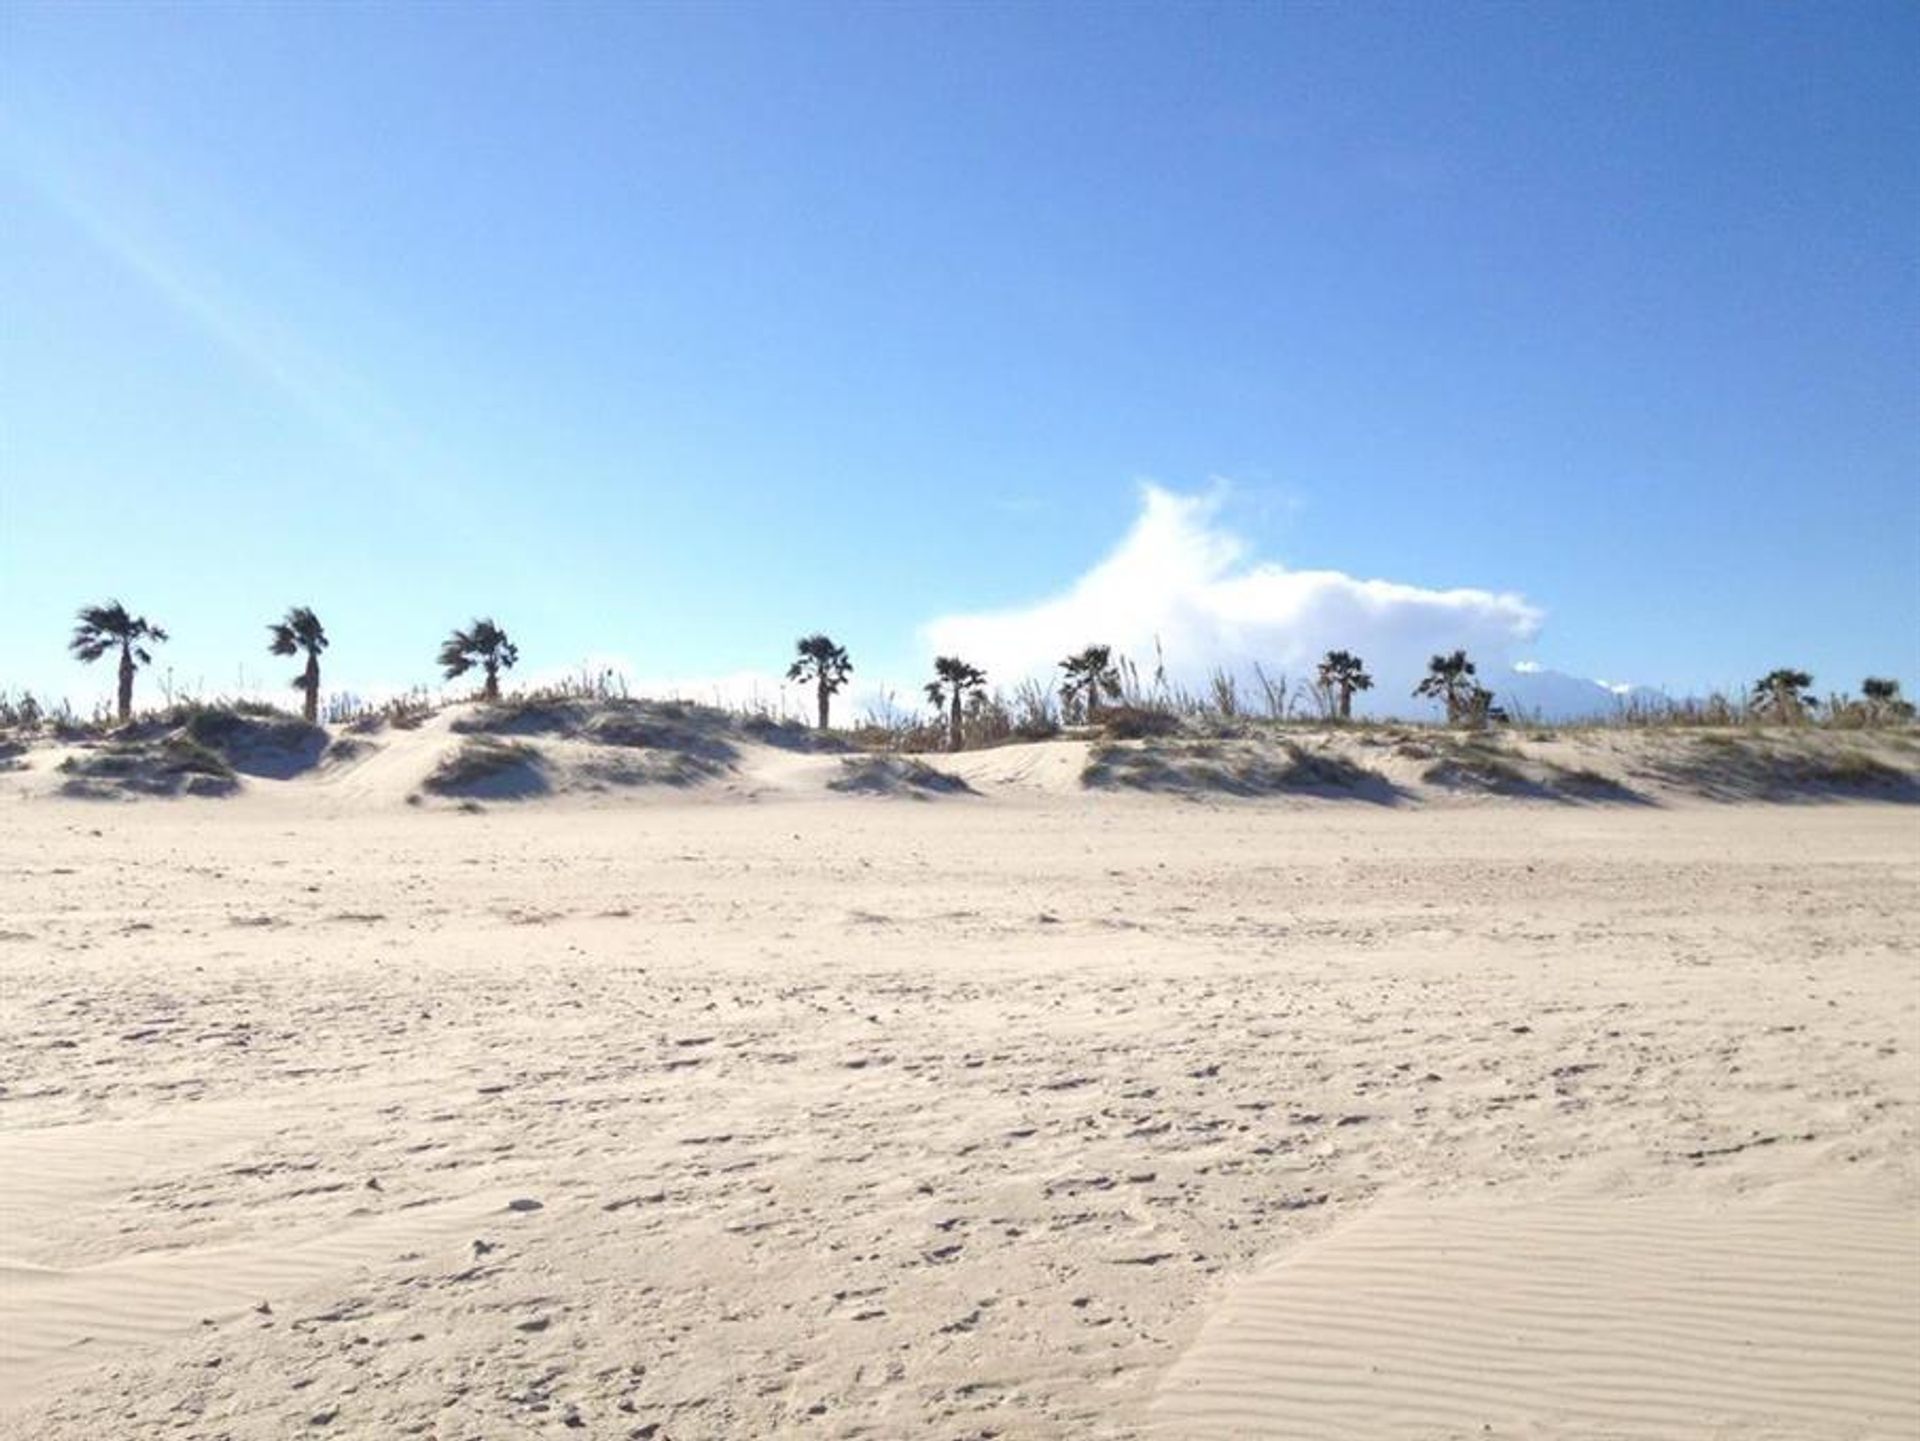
755, 1108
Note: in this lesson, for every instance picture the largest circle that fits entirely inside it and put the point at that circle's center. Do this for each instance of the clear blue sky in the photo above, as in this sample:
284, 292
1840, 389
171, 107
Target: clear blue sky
671, 332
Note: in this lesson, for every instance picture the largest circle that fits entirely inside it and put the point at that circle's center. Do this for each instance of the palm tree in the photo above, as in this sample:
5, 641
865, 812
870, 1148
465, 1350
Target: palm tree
1341, 674
302, 631
1884, 699
1450, 679
1089, 675
955, 681
1781, 693
823, 663
483, 644
103, 627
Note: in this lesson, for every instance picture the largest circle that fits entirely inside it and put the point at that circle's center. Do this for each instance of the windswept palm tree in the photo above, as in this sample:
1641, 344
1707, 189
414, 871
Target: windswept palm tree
102, 628
1450, 680
1782, 694
1341, 674
955, 681
482, 644
823, 663
1089, 675
302, 631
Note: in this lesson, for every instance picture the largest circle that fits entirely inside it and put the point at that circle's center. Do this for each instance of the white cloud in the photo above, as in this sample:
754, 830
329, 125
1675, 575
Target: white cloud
1180, 577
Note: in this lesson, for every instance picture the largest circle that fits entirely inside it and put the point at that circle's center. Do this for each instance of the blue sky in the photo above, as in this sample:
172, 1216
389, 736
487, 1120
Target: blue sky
668, 333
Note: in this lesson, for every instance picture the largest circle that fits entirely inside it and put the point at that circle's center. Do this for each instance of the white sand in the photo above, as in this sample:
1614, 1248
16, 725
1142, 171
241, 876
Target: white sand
1028, 1114
1793, 1312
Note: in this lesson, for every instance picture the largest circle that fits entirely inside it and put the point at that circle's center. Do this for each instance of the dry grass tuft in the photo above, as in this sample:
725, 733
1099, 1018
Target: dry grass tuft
485, 766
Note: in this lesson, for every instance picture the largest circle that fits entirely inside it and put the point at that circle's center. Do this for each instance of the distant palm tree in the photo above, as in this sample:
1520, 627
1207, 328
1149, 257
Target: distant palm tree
1341, 674
102, 628
1884, 699
955, 681
302, 631
1450, 679
823, 663
483, 644
1782, 694
1089, 676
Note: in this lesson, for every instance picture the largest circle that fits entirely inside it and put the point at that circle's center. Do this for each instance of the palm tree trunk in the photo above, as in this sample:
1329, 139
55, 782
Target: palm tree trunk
491, 690
953, 723
310, 683
1346, 702
126, 683
826, 697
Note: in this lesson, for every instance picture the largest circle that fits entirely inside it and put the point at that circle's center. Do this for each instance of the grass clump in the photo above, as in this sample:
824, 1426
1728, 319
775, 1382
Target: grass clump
1468, 771
1134, 723
173, 765
893, 776
650, 768
488, 766
1229, 767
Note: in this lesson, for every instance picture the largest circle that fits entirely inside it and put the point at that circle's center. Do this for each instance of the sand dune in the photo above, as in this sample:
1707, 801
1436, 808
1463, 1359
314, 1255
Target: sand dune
520, 752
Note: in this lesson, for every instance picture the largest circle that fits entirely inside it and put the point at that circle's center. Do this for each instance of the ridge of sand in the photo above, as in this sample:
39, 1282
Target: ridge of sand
1793, 1313
590, 753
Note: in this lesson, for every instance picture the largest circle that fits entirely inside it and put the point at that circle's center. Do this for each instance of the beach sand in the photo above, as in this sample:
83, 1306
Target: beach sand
753, 1108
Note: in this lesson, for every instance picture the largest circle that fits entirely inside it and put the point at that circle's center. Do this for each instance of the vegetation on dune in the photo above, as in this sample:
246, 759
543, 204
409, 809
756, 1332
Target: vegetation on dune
953, 684
1088, 677
301, 631
1237, 767
1883, 701
172, 765
1342, 673
1096, 687
823, 663
486, 765
895, 775
1478, 768
703, 732
103, 628
1452, 680
1781, 695
482, 644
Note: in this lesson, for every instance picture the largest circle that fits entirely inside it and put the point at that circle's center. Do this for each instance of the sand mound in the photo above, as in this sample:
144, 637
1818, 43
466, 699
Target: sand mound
201, 752
1772, 1316
1480, 766
483, 767
267, 744
1794, 766
703, 732
526, 749
1236, 767
174, 765
895, 776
